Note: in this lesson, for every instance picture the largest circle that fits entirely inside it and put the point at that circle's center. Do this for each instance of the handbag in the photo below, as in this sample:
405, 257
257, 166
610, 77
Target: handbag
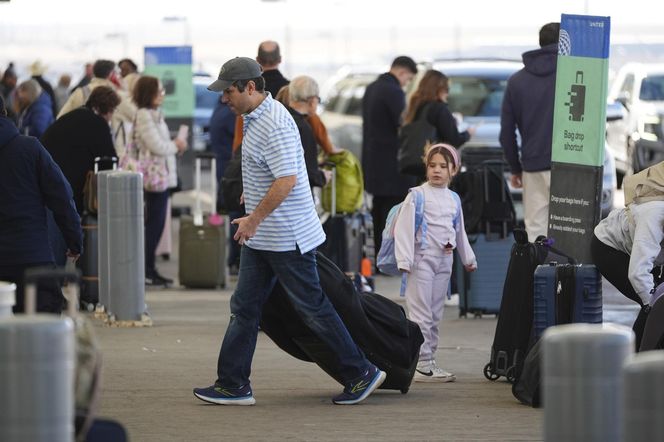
414, 138
153, 168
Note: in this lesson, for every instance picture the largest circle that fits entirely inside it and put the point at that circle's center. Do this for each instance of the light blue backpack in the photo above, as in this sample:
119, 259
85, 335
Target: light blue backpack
386, 259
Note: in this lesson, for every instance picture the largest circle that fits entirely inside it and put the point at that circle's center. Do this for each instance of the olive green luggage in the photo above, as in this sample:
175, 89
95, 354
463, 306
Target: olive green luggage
202, 251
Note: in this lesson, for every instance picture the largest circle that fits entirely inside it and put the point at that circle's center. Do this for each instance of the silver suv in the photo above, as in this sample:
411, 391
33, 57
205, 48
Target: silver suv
635, 127
476, 92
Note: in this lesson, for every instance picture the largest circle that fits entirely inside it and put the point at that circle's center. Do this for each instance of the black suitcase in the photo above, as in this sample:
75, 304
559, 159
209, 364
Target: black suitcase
378, 326
513, 335
89, 262
515, 319
649, 327
345, 234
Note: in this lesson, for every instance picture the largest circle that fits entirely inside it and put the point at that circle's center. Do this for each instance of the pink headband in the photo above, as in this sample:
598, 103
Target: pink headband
451, 150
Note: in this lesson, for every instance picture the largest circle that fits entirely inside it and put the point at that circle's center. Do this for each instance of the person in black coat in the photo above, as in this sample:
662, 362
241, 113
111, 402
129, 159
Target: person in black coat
431, 98
31, 183
78, 137
382, 106
269, 57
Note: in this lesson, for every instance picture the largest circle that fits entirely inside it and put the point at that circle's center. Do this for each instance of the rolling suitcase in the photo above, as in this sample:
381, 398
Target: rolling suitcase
515, 318
481, 291
344, 232
202, 248
89, 262
378, 326
566, 293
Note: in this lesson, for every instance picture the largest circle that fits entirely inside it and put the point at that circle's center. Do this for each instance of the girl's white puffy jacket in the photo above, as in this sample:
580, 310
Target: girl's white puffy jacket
440, 209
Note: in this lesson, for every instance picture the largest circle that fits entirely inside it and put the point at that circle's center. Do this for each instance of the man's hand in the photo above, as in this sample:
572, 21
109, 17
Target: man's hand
246, 229
516, 181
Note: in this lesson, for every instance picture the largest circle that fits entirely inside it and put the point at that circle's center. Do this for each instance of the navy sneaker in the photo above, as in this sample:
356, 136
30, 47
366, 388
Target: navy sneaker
219, 395
359, 390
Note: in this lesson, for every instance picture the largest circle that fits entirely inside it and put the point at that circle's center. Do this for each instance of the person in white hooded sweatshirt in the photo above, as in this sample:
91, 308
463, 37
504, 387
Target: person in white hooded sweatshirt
426, 254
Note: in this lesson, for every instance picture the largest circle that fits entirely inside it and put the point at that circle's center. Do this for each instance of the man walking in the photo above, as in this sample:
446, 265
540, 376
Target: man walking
382, 107
280, 233
528, 108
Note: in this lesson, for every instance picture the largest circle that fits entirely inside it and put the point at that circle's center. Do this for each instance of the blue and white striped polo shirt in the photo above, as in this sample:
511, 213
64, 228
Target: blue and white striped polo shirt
271, 148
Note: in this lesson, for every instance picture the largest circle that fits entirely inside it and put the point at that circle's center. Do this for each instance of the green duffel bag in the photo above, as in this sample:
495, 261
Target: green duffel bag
349, 184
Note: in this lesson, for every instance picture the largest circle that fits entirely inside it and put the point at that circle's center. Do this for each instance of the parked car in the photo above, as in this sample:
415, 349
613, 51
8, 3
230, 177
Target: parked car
476, 92
635, 117
205, 102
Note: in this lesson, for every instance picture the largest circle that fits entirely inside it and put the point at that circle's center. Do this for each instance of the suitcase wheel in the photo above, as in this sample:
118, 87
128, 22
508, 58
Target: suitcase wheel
404, 390
489, 373
511, 375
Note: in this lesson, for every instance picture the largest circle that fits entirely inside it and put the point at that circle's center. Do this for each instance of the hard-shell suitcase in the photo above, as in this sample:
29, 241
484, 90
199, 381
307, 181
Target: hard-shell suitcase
202, 248
480, 292
344, 232
89, 262
378, 326
566, 293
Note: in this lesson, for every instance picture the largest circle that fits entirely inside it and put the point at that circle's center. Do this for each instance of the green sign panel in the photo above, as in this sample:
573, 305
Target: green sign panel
580, 110
579, 122
172, 65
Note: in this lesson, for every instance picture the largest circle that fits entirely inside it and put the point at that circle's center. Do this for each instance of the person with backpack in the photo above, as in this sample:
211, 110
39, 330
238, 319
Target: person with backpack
425, 254
429, 103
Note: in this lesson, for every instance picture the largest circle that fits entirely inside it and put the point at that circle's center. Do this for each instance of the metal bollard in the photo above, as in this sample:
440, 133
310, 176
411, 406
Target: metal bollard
126, 245
582, 381
643, 403
7, 298
37, 363
102, 239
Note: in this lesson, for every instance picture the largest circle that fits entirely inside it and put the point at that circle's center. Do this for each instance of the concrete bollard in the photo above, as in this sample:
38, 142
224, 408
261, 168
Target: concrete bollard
126, 247
102, 239
643, 402
37, 363
582, 381
7, 298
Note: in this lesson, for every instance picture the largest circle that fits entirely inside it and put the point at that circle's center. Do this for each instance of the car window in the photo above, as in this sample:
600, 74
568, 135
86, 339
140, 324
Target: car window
627, 86
205, 99
476, 97
355, 95
652, 88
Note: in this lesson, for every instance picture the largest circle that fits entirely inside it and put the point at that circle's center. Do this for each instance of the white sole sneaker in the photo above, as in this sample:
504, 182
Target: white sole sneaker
430, 377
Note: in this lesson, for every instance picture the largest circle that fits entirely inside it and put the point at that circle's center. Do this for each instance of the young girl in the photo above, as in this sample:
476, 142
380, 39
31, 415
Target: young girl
426, 255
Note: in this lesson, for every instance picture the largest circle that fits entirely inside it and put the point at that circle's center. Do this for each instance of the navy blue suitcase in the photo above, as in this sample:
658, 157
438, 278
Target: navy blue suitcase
566, 293
481, 291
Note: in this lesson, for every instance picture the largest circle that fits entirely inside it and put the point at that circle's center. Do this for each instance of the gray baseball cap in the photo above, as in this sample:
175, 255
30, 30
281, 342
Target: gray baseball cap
238, 68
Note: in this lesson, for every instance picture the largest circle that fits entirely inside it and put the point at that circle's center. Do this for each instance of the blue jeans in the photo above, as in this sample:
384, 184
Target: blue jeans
297, 273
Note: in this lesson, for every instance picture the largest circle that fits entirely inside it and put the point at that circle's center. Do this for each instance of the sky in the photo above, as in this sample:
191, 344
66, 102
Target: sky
315, 35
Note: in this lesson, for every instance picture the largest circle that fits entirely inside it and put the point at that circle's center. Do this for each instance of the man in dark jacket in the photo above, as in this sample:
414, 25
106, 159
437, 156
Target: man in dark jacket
382, 106
269, 57
528, 108
31, 183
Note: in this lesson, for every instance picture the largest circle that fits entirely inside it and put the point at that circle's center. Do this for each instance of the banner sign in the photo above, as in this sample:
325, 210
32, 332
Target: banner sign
579, 125
172, 65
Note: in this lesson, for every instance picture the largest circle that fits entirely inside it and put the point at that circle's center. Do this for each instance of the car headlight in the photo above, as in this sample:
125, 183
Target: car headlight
651, 127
